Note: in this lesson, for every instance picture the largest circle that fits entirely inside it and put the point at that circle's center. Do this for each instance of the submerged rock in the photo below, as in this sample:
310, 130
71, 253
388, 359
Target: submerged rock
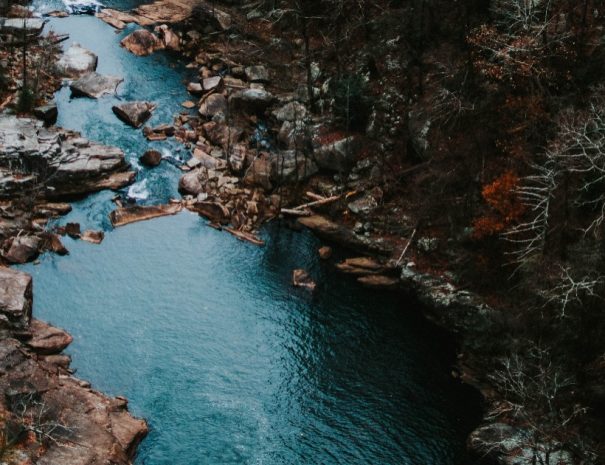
76, 61
325, 252
95, 85
300, 278
134, 113
151, 158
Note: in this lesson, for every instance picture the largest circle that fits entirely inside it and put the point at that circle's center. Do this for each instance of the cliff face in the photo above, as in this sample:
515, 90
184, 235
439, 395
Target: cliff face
49, 416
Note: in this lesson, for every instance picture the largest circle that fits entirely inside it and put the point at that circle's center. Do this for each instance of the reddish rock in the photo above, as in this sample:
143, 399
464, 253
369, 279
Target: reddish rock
46, 339
325, 252
142, 42
23, 249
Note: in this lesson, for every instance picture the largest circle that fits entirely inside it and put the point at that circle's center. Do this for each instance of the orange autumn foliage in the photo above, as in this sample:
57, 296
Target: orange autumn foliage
505, 206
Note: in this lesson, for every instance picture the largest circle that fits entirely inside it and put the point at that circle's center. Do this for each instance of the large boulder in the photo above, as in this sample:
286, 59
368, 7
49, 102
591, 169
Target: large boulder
95, 85
260, 173
17, 26
212, 105
339, 156
76, 61
251, 100
23, 249
257, 73
292, 111
292, 165
16, 297
47, 113
192, 183
142, 42
127, 215
77, 165
134, 113
46, 339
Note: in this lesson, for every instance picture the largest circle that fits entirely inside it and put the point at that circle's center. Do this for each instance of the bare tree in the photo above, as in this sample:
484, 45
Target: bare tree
533, 386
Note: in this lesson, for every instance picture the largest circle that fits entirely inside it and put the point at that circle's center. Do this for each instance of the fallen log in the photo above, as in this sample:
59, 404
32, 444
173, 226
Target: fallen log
244, 236
317, 203
289, 211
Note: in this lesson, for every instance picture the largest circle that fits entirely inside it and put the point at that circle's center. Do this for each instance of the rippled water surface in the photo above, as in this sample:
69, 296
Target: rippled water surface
208, 339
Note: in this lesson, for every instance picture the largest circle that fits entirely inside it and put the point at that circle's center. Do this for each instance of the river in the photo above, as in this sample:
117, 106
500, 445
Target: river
208, 339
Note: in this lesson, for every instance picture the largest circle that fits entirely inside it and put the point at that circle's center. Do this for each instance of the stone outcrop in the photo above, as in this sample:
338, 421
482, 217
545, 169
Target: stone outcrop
340, 234
95, 85
17, 26
142, 42
39, 164
151, 158
76, 61
37, 388
134, 113
46, 339
15, 298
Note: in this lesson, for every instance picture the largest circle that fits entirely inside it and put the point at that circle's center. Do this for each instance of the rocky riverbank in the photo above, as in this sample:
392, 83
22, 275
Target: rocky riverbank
259, 152
48, 415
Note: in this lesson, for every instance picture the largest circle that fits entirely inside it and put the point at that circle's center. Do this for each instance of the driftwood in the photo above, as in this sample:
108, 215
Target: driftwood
289, 211
405, 249
244, 236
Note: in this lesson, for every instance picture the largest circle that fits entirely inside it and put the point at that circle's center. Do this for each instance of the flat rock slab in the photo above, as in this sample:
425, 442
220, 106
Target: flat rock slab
142, 42
95, 85
46, 339
18, 25
116, 18
16, 296
76, 61
79, 166
134, 113
127, 215
342, 235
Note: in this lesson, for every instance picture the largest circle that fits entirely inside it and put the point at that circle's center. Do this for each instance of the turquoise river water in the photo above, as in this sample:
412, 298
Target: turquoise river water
208, 339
